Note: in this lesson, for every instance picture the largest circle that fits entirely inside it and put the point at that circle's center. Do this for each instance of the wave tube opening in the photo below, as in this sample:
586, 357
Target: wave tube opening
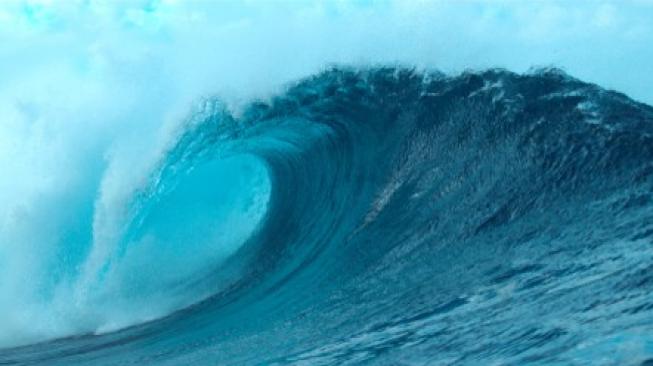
170, 255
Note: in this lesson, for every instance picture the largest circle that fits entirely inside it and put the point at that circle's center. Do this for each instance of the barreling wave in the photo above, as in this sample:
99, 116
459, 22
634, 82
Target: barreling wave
382, 216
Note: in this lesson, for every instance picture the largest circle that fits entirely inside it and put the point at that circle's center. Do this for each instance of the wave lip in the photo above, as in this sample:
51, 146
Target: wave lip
401, 217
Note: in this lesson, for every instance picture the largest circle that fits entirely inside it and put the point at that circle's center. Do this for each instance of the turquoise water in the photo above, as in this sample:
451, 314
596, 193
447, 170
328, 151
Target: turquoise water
366, 216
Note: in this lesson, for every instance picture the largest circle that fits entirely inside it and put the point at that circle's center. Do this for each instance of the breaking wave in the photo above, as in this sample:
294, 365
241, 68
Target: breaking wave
425, 218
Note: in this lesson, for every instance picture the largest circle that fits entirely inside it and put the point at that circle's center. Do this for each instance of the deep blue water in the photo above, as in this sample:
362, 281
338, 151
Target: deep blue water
386, 217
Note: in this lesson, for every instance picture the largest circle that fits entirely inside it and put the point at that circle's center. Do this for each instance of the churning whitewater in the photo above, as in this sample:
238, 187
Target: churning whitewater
369, 216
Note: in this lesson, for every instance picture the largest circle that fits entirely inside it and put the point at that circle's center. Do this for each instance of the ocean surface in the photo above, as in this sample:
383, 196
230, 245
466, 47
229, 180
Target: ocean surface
380, 216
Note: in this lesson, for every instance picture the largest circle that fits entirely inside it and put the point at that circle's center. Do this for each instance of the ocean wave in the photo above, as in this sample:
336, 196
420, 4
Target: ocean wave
375, 211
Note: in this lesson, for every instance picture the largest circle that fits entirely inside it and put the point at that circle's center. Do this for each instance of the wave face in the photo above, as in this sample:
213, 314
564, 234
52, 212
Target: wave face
381, 216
